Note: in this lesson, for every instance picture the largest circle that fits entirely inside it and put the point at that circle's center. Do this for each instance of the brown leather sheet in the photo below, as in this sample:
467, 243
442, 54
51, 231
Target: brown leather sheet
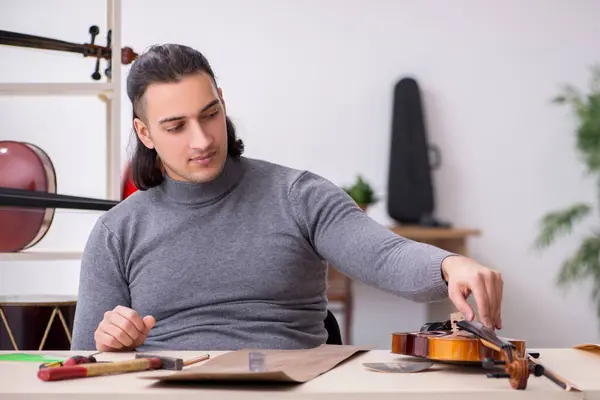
279, 365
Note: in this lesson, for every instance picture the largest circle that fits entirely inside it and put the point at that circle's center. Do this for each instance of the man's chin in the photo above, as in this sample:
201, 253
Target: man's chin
204, 175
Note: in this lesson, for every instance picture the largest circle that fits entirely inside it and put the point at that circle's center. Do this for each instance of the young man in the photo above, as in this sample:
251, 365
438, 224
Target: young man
218, 251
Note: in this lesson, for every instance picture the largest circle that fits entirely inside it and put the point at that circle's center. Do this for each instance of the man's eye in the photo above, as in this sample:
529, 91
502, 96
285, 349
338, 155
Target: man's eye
212, 114
175, 128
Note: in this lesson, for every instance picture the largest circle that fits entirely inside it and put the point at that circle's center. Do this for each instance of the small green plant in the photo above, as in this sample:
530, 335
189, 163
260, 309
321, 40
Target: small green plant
361, 192
584, 264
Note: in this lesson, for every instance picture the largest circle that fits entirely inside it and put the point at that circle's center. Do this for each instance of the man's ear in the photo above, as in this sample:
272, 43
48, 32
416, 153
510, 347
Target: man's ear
143, 133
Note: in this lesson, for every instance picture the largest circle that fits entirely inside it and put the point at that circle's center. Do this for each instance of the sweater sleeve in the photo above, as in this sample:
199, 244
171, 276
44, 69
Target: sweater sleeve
102, 285
363, 249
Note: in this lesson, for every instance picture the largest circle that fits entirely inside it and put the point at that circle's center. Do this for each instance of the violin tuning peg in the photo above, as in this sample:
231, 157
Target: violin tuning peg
490, 363
94, 30
96, 75
537, 369
498, 375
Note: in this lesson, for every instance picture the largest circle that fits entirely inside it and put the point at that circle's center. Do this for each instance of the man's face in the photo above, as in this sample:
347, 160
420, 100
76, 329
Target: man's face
186, 126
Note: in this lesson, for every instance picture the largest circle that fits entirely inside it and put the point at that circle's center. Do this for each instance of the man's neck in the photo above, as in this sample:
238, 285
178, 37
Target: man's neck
196, 193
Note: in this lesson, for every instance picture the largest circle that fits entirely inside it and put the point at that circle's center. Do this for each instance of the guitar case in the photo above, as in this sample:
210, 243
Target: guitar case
410, 198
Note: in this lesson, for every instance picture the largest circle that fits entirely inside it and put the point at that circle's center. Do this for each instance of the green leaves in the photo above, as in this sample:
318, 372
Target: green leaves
586, 108
584, 264
361, 192
560, 222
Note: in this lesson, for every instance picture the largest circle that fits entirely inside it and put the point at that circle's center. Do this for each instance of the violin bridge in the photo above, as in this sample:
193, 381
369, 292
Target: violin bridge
454, 318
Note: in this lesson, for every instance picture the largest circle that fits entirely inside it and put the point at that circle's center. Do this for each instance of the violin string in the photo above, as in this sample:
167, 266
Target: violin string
42, 44
24, 40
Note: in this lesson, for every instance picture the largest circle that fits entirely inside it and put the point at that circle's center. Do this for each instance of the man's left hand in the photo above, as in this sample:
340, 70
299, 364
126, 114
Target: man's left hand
466, 276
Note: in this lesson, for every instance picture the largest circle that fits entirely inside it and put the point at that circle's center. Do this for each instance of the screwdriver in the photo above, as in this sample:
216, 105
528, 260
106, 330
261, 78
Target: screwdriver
74, 360
81, 359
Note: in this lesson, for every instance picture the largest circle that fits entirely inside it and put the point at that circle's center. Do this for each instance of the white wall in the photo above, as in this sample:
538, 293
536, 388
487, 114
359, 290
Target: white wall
309, 84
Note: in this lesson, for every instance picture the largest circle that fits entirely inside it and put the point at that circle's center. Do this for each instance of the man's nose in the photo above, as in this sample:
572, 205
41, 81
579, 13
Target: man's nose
198, 137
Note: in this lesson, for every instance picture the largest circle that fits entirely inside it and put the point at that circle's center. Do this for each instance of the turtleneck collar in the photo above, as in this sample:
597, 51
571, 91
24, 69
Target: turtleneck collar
194, 193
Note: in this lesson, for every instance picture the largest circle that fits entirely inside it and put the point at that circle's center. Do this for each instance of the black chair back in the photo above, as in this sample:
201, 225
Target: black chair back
333, 329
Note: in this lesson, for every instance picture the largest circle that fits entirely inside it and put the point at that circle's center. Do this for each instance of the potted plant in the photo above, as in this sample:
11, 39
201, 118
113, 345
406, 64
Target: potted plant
361, 192
584, 264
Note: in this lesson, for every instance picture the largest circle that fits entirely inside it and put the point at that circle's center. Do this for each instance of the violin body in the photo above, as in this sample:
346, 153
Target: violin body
25, 166
448, 347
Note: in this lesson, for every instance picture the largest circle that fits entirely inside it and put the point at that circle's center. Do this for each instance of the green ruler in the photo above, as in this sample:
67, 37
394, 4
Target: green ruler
24, 357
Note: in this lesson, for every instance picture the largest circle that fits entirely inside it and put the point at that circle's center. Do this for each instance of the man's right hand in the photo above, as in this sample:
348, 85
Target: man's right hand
122, 329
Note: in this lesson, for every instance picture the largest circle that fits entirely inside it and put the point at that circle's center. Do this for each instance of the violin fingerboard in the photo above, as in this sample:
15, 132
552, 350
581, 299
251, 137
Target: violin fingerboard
483, 332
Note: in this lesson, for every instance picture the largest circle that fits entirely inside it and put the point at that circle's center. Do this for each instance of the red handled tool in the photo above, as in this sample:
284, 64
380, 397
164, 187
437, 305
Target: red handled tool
95, 369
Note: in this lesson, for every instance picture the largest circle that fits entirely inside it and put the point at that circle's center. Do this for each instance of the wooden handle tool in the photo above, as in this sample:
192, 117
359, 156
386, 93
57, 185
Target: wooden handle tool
95, 369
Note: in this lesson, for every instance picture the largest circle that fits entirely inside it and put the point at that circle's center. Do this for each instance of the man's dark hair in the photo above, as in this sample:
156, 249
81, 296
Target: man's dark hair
161, 64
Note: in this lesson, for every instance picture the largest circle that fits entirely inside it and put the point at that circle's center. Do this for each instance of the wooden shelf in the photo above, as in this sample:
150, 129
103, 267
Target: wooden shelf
56, 89
451, 239
41, 255
426, 233
110, 93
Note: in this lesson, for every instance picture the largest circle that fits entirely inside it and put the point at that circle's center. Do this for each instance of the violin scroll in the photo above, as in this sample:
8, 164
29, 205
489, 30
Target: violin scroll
516, 366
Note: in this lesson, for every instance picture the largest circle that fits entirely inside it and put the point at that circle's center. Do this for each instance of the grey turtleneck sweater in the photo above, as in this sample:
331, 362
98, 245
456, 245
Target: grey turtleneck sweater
239, 261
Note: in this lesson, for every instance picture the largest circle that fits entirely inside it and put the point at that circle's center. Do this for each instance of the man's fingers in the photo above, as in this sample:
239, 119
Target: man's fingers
120, 335
491, 291
126, 325
460, 301
122, 328
483, 302
493, 284
106, 342
499, 285
132, 316
149, 322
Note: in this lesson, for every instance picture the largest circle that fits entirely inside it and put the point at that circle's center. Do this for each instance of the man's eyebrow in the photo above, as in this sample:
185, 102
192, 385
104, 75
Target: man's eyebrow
179, 117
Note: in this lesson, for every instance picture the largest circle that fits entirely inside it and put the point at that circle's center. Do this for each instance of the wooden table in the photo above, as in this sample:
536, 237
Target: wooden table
349, 380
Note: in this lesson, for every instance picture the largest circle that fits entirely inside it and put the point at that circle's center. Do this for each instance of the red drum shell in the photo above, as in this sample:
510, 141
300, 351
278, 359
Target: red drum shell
25, 166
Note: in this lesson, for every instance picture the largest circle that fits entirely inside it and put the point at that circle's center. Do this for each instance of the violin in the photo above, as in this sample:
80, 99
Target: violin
458, 341
86, 49
28, 197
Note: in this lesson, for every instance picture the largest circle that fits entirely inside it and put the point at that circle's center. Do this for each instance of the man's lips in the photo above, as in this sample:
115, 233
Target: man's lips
204, 159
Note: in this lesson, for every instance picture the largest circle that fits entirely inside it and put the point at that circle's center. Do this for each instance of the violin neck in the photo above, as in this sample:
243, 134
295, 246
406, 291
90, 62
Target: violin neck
38, 42
20, 198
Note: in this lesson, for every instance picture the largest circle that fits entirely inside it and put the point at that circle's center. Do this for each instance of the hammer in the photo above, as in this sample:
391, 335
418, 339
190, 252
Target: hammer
142, 363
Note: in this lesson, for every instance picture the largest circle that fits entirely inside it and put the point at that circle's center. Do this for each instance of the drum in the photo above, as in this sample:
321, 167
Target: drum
36, 322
